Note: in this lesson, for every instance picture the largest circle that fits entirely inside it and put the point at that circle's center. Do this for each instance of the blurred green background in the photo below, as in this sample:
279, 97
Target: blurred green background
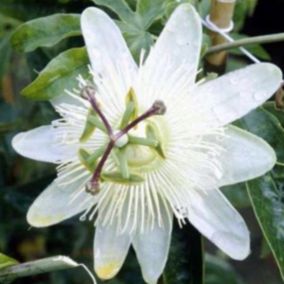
21, 180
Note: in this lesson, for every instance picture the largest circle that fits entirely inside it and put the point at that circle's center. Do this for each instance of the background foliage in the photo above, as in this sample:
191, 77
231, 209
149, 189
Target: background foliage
42, 52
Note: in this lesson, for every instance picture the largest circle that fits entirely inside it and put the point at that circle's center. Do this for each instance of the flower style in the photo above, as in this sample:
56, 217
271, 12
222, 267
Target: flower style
145, 143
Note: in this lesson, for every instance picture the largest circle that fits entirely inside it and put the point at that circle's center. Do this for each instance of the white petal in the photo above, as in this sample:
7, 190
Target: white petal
152, 248
216, 219
75, 99
110, 250
57, 203
109, 55
39, 144
173, 61
233, 95
246, 156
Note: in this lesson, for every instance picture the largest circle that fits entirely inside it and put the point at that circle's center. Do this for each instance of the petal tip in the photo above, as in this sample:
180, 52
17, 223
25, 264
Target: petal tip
108, 270
90, 11
235, 244
40, 221
16, 142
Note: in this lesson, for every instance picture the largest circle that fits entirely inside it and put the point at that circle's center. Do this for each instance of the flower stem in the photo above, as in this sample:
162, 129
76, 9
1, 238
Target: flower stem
247, 41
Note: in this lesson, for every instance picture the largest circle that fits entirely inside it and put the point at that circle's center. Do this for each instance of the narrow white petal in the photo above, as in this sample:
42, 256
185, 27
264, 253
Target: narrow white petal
246, 156
233, 95
216, 219
57, 203
40, 144
110, 250
152, 248
109, 55
173, 61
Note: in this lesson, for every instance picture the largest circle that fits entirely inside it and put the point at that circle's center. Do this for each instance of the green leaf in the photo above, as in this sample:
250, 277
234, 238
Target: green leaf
150, 10
58, 75
120, 7
45, 31
171, 5
251, 6
5, 51
218, 271
7, 23
235, 63
185, 262
267, 126
204, 8
278, 113
6, 261
36, 267
237, 195
240, 14
137, 39
266, 195
135, 25
8, 119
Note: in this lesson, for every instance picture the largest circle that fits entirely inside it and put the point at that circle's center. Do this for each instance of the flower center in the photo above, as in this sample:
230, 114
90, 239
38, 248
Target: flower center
135, 146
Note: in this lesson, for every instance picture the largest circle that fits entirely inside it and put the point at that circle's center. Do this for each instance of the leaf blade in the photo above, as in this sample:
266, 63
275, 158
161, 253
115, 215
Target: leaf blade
59, 74
45, 31
266, 195
6, 261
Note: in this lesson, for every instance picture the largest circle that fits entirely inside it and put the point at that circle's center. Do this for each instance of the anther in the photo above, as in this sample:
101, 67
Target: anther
93, 187
88, 91
159, 107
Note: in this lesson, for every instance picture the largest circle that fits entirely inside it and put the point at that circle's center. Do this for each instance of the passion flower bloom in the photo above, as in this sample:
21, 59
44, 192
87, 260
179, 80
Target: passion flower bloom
138, 145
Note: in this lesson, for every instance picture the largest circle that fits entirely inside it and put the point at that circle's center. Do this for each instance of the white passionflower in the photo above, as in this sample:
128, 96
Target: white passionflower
146, 143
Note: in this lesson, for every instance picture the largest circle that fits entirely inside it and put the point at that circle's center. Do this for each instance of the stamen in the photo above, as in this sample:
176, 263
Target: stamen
143, 141
122, 163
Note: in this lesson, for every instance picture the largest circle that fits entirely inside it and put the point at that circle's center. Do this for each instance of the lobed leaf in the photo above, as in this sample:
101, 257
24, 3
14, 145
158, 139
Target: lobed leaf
120, 7
149, 11
135, 25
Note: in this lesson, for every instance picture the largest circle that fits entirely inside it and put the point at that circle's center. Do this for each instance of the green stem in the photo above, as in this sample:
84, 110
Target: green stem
247, 41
